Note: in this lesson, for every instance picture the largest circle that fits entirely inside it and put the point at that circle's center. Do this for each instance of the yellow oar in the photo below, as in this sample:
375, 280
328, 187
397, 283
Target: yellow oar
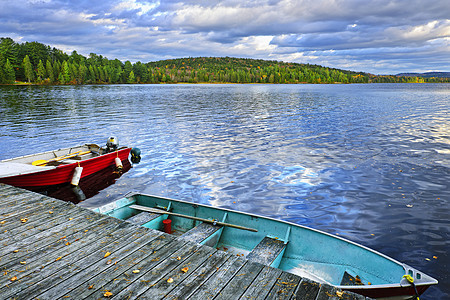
43, 162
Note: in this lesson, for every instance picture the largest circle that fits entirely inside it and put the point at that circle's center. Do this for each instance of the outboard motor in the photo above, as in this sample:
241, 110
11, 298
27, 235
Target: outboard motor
112, 144
135, 155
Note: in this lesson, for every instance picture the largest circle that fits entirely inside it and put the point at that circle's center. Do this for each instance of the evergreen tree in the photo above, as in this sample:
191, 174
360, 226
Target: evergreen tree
40, 71
91, 75
127, 69
65, 73
28, 68
49, 71
131, 78
9, 74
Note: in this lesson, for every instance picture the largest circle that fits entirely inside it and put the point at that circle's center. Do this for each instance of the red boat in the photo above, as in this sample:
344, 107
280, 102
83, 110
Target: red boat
61, 166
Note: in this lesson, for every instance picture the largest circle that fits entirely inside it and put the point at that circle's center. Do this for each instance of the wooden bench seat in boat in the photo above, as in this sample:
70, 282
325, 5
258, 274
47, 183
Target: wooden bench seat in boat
267, 252
142, 218
200, 233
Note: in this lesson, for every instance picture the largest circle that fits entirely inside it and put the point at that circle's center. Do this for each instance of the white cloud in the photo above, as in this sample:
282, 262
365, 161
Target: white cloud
378, 36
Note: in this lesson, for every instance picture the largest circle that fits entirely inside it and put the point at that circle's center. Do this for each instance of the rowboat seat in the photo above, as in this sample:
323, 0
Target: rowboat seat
267, 251
200, 233
142, 218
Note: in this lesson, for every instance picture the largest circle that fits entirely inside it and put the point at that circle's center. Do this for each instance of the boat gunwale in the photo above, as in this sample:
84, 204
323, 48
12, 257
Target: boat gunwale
406, 267
41, 153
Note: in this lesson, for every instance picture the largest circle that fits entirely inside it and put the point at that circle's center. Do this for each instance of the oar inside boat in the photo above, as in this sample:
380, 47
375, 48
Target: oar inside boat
43, 162
159, 211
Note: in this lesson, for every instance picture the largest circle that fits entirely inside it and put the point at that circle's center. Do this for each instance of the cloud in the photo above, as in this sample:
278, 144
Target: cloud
380, 36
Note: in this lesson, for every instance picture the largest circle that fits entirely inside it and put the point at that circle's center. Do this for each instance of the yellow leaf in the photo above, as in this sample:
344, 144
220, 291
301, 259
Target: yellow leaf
184, 270
107, 294
170, 280
70, 219
91, 287
63, 237
50, 212
67, 244
178, 257
58, 258
23, 220
2, 222
135, 271
435, 257
23, 262
14, 278
107, 254
339, 294
15, 251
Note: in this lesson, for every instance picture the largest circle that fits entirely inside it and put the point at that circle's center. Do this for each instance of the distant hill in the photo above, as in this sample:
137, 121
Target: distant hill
427, 74
36, 63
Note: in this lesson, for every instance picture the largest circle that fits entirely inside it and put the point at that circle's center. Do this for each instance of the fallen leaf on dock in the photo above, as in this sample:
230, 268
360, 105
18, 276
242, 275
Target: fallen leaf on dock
63, 237
427, 259
435, 257
178, 257
15, 251
67, 244
14, 278
409, 205
2, 222
107, 294
339, 294
170, 280
184, 270
90, 287
136, 271
50, 212
23, 220
23, 262
58, 258
107, 254
70, 219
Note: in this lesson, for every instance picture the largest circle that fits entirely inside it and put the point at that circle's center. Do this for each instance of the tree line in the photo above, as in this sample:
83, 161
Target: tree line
37, 63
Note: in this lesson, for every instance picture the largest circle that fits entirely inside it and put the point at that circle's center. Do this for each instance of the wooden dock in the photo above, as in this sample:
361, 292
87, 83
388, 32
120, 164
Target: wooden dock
50, 249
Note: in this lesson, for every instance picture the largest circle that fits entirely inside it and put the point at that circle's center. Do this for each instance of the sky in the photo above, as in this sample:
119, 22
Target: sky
375, 36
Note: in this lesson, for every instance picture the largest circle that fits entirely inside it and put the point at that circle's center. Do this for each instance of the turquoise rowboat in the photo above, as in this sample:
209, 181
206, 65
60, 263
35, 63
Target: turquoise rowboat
293, 248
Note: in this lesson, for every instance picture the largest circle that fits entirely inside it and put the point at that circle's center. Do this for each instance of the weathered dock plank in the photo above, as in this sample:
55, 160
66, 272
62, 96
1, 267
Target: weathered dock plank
199, 276
77, 266
121, 276
261, 286
284, 287
219, 279
55, 250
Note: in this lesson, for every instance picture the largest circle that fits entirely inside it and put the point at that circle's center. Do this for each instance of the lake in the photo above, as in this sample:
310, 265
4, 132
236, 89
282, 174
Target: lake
370, 163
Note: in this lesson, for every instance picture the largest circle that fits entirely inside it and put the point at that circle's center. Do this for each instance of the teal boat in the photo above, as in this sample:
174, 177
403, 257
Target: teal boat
293, 248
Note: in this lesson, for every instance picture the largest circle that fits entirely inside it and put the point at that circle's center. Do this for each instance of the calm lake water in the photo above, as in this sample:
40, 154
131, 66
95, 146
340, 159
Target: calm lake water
370, 163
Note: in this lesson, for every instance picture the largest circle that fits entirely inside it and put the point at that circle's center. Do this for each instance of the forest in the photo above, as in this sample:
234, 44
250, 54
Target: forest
36, 63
